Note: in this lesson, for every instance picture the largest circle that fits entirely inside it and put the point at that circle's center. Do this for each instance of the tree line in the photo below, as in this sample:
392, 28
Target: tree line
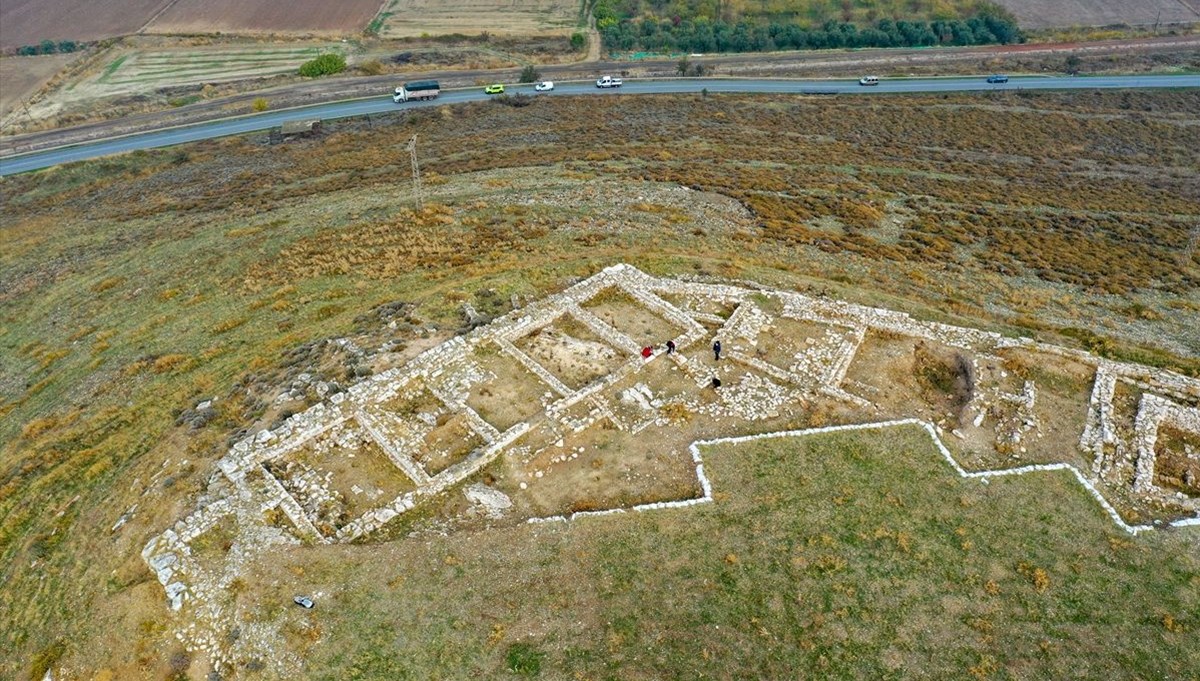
704, 35
50, 47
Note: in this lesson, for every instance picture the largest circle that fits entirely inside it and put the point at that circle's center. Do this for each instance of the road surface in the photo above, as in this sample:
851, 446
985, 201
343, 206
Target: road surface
251, 123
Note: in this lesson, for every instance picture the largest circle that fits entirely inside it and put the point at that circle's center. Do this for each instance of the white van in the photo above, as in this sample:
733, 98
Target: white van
869, 80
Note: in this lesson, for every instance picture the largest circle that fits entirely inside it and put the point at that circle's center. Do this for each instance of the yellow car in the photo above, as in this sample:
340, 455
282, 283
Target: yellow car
496, 89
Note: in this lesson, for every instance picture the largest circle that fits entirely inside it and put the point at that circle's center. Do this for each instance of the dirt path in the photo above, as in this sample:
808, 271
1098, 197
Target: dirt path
593, 35
821, 63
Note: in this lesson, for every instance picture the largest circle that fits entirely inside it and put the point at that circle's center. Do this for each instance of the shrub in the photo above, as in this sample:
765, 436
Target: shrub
530, 74
578, 41
260, 104
324, 65
371, 67
523, 659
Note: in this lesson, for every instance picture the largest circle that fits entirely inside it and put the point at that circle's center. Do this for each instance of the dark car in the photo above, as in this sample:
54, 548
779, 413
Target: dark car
998, 78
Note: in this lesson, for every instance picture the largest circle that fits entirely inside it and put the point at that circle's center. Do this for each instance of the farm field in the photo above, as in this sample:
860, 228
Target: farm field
263, 16
143, 70
135, 289
22, 76
28, 22
1043, 14
135, 71
412, 18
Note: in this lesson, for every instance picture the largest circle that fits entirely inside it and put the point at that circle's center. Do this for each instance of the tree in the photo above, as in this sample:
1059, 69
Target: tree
48, 47
578, 41
323, 65
682, 67
67, 46
530, 74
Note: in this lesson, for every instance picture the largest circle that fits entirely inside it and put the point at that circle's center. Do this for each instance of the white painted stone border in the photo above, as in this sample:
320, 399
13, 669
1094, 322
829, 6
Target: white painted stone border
984, 476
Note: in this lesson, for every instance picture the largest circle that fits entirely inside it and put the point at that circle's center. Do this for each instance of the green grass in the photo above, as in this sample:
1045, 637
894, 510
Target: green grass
112, 68
837, 556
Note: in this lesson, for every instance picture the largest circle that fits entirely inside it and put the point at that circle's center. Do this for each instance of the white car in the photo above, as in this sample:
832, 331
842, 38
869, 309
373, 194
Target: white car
544, 86
608, 81
869, 80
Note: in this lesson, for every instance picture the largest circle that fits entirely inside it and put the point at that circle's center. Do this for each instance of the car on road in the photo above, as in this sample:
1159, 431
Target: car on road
869, 80
544, 86
997, 78
608, 81
494, 89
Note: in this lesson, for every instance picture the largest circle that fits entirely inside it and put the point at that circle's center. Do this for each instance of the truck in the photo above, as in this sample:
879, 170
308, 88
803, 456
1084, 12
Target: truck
421, 89
608, 81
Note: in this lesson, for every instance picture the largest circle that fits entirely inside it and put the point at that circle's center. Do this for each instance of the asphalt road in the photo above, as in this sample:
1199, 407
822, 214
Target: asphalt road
243, 124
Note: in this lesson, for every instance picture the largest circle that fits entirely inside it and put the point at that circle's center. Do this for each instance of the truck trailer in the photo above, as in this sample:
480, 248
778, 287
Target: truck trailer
421, 89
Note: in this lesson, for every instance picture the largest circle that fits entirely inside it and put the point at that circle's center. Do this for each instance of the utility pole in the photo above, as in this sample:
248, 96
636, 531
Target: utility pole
416, 172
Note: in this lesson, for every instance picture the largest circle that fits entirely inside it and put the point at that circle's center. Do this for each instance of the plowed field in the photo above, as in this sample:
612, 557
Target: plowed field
406, 18
1043, 14
26, 22
264, 16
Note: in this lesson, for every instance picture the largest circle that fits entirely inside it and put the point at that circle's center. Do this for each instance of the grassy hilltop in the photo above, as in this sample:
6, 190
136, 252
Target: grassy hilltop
134, 288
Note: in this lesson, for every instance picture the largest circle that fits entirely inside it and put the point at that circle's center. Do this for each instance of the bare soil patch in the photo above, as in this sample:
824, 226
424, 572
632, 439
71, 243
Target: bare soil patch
1064, 388
601, 468
410, 18
27, 22
264, 16
1177, 465
451, 440
340, 476
899, 372
23, 76
661, 387
625, 314
511, 396
571, 352
1044, 14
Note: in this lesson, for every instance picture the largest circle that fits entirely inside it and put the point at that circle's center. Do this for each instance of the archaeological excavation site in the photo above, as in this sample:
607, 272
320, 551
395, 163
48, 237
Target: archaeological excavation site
571, 410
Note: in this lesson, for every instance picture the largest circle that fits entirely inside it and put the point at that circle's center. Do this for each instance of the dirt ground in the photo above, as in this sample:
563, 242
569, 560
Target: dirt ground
891, 371
1058, 13
571, 352
449, 442
27, 22
23, 76
405, 18
1178, 462
511, 396
625, 314
358, 472
264, 16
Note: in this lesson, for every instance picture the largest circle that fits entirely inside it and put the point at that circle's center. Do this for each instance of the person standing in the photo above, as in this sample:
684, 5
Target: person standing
717, 350
670, 347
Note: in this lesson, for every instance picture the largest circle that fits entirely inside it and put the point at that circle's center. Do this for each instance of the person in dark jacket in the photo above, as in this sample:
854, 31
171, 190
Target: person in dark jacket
717, 350
670, 346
